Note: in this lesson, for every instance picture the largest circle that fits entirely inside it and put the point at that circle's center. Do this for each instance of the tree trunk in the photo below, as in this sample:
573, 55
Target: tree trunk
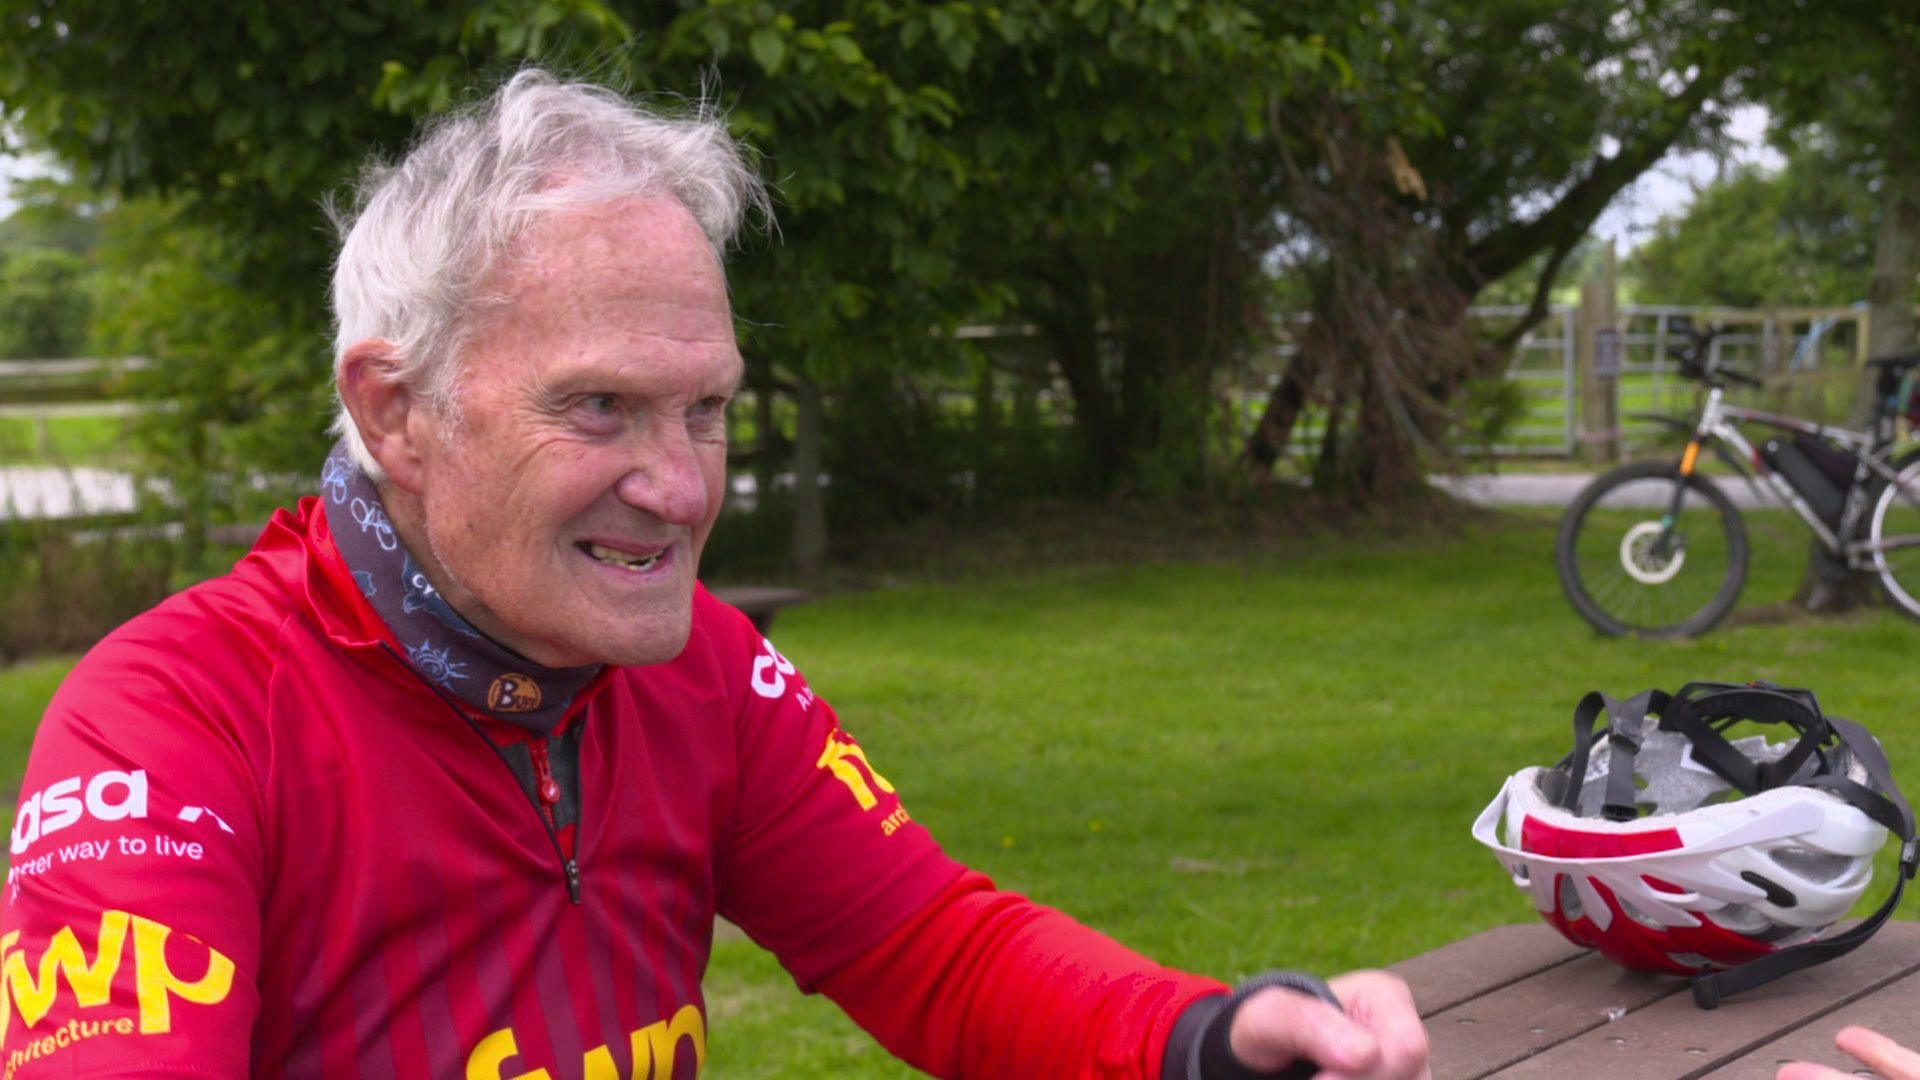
1828, 587
1072, 327
1896, 261
1268, 443
809, 511
765, 462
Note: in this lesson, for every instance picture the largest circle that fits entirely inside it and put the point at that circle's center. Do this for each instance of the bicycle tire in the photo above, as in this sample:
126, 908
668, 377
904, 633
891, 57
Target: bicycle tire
1905, 600
1581, 535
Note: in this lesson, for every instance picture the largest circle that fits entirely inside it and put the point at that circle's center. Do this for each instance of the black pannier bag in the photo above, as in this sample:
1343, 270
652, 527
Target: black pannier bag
1817, 470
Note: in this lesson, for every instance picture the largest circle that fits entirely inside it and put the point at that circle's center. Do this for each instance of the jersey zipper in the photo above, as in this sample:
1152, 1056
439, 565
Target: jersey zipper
549, 791
543, 802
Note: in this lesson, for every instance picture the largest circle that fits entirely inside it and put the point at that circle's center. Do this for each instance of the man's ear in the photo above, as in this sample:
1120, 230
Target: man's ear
381, 403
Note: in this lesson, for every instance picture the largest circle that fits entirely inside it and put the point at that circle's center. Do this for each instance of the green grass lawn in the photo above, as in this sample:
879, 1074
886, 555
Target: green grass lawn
66, 440
1243, 763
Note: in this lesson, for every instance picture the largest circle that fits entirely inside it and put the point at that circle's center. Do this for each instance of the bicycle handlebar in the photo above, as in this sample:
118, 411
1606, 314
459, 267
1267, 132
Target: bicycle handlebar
1707, 372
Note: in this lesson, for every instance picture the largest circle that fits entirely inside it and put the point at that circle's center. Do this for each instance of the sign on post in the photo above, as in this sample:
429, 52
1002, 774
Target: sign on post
1606, 353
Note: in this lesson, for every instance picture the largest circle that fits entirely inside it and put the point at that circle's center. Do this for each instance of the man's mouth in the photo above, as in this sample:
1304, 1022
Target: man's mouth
622, 560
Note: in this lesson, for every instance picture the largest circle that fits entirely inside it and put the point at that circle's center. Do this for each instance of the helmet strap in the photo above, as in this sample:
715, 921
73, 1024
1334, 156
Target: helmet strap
1884, 804
1626, 728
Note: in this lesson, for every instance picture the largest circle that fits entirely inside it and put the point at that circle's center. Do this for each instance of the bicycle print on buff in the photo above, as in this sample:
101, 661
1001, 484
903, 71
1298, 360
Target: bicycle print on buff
440, 644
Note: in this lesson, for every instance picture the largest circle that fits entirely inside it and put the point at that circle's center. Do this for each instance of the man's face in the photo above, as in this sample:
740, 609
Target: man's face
566, 508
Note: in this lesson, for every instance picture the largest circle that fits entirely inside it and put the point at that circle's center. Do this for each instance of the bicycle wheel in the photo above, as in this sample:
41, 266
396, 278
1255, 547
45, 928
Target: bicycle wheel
1626, 570
1893, 529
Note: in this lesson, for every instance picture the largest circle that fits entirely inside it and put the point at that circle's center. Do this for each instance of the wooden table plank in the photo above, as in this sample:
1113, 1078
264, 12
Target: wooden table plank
760, 602
1893, 1011
1673, 1036
1489, 960
1562, 1002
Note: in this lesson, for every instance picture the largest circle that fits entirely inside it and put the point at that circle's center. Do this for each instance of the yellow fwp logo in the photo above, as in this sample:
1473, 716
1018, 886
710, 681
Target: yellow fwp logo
654, 1049
32, 989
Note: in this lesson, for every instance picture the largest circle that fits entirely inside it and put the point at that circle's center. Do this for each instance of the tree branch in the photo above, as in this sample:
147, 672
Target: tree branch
1507, 248
1542, 298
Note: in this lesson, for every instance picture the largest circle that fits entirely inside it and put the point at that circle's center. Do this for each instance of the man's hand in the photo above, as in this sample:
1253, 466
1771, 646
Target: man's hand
1876, 1051
1377, 1037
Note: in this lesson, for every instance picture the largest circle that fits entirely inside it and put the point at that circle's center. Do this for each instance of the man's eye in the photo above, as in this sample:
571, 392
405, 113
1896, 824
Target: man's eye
601, 404
712, 406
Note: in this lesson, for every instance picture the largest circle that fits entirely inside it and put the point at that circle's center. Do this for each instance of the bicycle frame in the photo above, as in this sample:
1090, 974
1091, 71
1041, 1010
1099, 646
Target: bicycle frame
1870, 450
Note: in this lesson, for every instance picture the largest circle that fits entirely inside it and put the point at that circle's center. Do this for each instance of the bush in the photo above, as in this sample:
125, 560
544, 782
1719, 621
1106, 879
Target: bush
62, 588
43, 304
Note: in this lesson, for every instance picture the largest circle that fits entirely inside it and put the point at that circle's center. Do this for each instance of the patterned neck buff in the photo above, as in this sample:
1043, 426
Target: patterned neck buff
441, 645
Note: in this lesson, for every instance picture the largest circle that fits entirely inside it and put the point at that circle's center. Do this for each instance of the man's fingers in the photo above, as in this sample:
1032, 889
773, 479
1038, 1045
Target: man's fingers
1382, 1004
1879, 1053
1876, 1051
1277, 1026
1378, 1036
1806, 1070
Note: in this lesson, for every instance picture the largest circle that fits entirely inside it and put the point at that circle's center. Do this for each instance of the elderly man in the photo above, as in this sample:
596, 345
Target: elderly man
452, 774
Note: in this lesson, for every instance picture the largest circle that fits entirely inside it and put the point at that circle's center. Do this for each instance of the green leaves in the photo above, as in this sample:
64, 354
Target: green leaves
769, 48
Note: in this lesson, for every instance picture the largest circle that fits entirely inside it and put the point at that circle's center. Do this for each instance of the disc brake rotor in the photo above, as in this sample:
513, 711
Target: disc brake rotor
1642, 562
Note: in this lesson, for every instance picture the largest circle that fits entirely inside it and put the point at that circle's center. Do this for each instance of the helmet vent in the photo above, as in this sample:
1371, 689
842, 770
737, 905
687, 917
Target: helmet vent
1692, 960
1569, 899
1639, 916
1742, 919
1813, 865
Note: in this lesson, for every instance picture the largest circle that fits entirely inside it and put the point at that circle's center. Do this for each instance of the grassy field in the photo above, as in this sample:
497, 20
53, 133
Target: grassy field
1269, 759
67, 440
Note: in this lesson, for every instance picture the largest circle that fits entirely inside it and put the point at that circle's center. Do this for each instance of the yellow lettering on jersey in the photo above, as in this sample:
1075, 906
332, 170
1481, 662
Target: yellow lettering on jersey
838, 756
599, 1065
654, 1047
92, 982
155, 983
657, 1043
492, 1053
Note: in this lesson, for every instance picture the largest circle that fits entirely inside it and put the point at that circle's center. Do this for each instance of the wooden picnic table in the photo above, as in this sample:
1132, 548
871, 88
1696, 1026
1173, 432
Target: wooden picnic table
760, 602
1521, 1001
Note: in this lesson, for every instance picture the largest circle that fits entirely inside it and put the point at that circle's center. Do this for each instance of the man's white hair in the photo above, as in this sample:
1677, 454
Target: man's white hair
423, 236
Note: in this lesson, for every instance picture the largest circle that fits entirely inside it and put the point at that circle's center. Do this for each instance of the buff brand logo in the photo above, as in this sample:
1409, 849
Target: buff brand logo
655, 1048
32, 989
512, 693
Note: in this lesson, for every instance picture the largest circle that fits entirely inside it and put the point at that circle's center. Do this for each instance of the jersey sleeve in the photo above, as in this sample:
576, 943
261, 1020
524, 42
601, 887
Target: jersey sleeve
130, 936
983, 982
822, 858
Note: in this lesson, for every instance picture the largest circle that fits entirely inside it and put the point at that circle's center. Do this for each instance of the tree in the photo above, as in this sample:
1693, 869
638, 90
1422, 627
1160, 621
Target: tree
1544, 109
43, 303
937, 163
1849, 74
1802, 235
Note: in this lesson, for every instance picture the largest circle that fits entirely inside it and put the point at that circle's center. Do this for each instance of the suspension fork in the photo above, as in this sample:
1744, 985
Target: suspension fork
1687, 462
1709, 417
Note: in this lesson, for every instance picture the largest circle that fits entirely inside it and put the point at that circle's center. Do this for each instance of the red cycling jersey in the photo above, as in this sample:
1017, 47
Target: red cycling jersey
252, 840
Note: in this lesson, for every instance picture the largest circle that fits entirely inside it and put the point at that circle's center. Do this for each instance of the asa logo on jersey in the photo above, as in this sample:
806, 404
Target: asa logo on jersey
104, 796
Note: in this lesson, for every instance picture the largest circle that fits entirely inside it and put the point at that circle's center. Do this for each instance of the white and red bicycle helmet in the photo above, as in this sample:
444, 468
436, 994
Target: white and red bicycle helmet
1670, 848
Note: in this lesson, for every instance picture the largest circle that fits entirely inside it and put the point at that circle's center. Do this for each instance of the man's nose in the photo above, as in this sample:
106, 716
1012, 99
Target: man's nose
668, 481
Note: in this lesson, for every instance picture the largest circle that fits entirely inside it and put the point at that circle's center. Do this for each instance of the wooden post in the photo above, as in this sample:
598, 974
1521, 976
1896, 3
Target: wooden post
1597, 356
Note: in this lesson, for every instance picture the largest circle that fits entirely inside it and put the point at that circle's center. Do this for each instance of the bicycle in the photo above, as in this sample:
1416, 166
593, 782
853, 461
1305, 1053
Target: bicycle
1658, 550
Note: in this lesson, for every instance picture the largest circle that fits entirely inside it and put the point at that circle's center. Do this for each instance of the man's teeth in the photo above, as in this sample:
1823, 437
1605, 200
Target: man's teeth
622, 559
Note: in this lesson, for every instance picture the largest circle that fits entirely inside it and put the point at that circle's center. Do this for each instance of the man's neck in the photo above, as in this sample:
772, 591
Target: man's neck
409, 519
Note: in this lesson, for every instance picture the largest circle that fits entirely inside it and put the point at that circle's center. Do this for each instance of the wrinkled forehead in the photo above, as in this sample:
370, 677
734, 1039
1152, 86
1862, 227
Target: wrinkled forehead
654, 239
639, 267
